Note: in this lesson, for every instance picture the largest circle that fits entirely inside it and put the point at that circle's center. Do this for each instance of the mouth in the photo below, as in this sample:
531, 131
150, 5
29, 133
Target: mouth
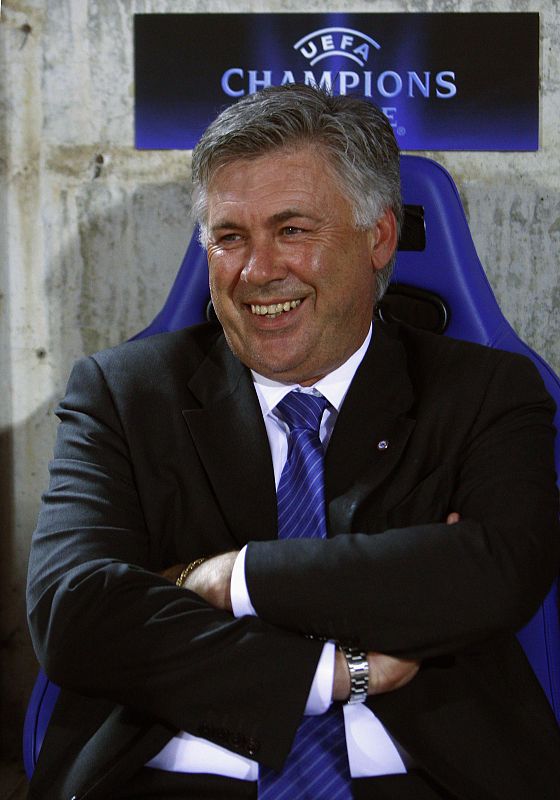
274, 310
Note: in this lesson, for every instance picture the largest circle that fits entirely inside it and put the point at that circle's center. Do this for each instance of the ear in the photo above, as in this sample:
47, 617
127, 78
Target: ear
383, 239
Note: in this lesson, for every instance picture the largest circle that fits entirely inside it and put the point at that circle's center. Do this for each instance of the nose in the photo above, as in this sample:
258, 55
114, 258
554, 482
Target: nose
264, 263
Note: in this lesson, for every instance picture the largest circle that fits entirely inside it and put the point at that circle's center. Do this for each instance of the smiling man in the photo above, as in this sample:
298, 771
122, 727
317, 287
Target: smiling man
279, 231
285, 556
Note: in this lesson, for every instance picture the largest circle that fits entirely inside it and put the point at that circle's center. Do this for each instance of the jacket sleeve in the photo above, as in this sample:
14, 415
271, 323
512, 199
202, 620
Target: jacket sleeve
423, 590
105, 625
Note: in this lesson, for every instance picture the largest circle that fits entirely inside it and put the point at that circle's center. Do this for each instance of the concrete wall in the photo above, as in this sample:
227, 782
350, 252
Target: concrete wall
93, 231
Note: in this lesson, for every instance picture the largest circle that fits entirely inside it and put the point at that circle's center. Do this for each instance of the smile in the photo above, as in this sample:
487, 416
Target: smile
275, 309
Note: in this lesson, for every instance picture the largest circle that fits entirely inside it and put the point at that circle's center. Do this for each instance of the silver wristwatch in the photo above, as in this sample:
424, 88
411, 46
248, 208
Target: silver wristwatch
359, 673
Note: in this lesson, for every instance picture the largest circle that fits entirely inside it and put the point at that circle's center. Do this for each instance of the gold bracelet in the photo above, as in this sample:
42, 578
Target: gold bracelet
180, 582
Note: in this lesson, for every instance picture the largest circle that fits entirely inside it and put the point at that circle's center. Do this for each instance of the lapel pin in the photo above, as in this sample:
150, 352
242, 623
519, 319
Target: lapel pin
383, 444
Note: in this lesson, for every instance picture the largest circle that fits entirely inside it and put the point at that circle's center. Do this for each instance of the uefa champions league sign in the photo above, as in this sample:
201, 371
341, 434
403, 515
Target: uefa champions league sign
445, 81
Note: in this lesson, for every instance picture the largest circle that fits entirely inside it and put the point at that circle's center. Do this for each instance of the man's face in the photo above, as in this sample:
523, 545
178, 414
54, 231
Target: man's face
292, 280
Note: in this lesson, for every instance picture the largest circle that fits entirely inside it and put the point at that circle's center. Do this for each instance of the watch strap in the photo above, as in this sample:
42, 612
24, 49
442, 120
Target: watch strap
359, 673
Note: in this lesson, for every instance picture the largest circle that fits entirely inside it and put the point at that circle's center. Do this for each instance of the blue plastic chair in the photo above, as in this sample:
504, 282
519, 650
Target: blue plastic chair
448, 267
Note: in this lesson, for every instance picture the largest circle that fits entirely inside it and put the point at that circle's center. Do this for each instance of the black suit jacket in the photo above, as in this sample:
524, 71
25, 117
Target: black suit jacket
162, 457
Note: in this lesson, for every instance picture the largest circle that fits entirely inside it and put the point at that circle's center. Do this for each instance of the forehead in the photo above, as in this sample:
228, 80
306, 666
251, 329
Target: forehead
299, 177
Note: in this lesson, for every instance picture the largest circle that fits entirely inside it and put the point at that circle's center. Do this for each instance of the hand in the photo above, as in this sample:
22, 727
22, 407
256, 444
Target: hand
386, 673
211, 579
172, 573
452, 518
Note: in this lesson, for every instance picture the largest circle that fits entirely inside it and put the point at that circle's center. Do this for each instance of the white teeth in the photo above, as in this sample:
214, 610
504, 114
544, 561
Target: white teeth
275, 309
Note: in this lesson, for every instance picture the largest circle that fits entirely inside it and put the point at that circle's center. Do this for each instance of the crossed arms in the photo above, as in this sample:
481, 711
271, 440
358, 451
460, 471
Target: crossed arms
106, 623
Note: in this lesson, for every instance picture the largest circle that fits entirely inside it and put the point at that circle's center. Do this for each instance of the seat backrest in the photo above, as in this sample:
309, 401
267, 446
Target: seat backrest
448, 267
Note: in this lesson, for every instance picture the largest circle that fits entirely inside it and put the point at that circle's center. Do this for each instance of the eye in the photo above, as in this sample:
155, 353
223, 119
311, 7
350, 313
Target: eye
291, 230
225, 240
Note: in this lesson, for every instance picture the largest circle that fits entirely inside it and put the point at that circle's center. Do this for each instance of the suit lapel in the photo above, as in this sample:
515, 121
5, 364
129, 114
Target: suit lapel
371, 431
229, 434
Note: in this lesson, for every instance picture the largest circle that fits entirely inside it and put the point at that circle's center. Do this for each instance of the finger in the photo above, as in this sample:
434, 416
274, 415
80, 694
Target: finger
452, 518
388, 673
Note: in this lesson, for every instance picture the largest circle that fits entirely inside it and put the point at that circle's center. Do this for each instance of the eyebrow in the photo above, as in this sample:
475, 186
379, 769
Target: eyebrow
223, 224
281, 216
290, 213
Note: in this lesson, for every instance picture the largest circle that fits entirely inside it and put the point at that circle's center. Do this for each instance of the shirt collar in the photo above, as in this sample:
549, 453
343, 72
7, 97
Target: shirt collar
333, 386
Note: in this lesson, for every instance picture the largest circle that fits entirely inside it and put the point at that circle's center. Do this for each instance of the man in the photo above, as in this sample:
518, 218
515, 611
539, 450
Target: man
199, 610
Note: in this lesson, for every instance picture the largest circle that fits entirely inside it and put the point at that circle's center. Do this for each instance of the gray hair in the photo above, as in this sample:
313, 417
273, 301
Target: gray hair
355, 136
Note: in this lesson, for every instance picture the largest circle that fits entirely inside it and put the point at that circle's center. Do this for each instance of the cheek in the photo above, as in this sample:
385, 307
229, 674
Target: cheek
222, 273
325, 273
310, 265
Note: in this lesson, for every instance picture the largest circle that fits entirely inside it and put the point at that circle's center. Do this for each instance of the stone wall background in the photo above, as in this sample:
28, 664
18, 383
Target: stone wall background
92, 232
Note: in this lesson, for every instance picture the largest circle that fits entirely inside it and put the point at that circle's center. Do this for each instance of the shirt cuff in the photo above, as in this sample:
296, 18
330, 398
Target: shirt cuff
320, 694
239, 593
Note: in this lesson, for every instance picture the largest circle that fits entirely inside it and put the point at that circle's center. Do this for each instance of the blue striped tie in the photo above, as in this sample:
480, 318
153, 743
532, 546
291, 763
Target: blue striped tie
317, 766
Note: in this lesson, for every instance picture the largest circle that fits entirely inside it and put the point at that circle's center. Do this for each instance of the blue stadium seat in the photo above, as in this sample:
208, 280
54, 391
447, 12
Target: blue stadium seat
446, 266
449, 267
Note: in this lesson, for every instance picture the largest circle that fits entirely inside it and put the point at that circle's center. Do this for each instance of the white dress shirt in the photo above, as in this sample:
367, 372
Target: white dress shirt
371, 751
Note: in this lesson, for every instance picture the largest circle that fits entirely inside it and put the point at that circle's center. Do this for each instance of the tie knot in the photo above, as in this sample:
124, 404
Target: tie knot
300, 410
